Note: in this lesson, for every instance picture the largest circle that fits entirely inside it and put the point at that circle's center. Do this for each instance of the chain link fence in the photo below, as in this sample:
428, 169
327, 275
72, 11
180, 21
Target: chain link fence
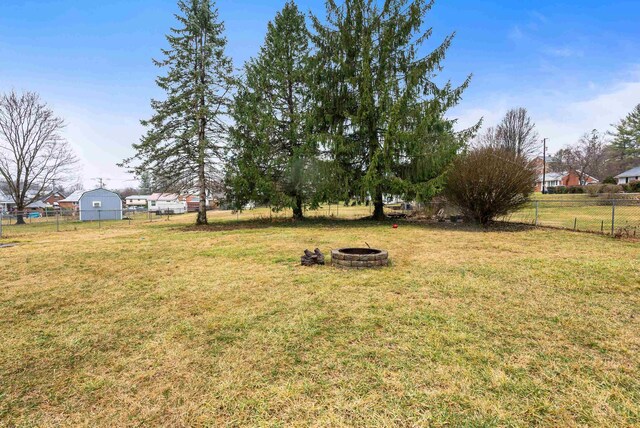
17, 223
616, 217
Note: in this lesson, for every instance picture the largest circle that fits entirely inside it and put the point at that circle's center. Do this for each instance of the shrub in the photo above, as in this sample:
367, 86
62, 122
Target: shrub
561, 190
489, 182
575, 189
609, 180
633, 187
593, 190
610, 188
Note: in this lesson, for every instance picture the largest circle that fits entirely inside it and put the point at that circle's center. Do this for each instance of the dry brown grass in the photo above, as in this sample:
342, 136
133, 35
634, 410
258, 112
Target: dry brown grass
149, 325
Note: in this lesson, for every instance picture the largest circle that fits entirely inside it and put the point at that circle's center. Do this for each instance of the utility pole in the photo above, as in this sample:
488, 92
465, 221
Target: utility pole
544, 164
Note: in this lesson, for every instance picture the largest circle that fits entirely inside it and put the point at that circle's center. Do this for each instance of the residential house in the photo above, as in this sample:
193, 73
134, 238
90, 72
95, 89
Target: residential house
193, 202
52, 198
628, 176
137, 201
49, 201
38, 206
167, 202
6, 203
71, 202
566, 179
551, 179
100, 204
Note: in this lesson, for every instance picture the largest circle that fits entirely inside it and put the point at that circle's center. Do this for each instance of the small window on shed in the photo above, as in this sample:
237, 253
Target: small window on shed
97, 204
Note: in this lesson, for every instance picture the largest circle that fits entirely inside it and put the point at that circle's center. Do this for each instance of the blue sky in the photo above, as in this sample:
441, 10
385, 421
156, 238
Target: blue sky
574, 64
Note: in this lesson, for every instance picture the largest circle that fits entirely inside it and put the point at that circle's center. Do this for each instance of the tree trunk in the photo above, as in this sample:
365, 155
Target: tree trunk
378, 206
297, 209
202, 184
202, 204
20, 216
202, 144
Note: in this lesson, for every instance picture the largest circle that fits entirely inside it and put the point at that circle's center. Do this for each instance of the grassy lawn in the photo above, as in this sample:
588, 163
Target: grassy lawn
585, 215
157, 324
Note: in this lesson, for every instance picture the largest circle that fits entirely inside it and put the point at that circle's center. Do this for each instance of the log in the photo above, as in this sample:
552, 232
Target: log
310, 259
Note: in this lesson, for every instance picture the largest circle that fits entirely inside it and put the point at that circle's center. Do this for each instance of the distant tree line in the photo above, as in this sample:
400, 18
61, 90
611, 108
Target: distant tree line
597, 154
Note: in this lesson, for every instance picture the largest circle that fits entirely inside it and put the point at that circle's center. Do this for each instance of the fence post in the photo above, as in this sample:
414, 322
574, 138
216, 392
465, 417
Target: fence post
537, 202
0, 223
58, 222
99, 222
613, 216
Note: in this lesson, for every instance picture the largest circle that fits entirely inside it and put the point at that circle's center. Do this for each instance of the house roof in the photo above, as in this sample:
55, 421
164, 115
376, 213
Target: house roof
50, 194
138, 197
74, 197
39, 204
5, 199
552, 176
633, 172
163, 197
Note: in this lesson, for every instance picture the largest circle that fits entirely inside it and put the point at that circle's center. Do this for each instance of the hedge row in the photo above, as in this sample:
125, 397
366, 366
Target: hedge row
595, 189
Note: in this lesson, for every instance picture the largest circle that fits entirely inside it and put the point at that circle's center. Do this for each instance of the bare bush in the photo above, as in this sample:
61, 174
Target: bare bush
490, 182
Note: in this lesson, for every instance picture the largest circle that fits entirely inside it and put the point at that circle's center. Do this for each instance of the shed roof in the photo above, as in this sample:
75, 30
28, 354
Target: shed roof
100, 189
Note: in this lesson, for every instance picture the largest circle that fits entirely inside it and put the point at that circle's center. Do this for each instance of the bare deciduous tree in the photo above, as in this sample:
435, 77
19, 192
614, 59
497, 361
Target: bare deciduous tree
33, 154
487, 138
587, 157
517, 132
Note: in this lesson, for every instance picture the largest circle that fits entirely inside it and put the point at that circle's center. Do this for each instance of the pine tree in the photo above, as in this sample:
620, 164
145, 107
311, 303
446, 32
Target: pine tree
184, 144
380, 115
626, 137
271, 153
146, 183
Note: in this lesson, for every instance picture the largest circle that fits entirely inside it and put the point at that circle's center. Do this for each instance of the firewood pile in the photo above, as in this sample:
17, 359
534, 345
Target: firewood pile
312, 258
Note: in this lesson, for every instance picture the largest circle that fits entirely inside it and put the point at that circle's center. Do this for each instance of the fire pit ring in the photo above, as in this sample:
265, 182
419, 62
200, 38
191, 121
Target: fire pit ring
359, 258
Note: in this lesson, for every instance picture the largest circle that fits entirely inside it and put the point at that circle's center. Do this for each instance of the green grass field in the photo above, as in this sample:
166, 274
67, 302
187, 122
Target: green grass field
162, 324
584, 215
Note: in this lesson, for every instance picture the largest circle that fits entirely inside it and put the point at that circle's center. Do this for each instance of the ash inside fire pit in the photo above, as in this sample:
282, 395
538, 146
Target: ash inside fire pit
359, 258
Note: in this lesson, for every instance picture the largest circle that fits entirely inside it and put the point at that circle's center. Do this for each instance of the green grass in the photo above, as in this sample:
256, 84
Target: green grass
154, 324
583, 214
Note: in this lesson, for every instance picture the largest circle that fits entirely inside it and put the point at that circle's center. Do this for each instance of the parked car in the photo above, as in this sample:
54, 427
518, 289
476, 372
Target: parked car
34, 215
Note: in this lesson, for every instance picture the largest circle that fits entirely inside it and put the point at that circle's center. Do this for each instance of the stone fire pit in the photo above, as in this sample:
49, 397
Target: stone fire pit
359, 258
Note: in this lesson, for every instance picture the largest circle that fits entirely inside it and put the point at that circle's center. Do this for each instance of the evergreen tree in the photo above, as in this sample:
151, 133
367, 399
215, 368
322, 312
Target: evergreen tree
186, 137
626, 137
272, 156
380, 116
146, 183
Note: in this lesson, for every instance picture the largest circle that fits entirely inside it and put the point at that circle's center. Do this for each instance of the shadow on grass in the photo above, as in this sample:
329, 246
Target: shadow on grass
366, 222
